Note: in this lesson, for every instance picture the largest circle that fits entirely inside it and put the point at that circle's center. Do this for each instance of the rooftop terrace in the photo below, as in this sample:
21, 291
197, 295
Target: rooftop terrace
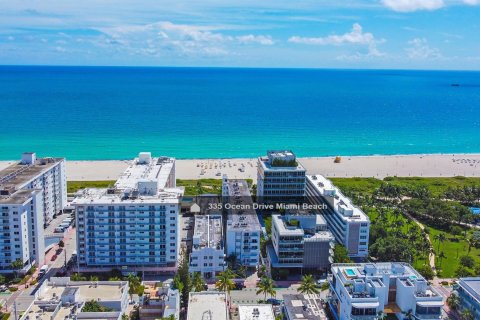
207, 305
208, 232
341, 203
242, 216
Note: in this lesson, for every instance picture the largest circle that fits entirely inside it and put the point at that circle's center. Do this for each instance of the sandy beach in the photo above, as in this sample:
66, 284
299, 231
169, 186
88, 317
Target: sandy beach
437, 165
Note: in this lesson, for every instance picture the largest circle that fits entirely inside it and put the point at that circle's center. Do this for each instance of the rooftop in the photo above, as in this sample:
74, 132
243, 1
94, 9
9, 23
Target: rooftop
280, 160
341, 203
243, 216
256, 312
210, 305
19, 174
305, 307
207, 232
146, 168
472, 286
18, 197
146, 180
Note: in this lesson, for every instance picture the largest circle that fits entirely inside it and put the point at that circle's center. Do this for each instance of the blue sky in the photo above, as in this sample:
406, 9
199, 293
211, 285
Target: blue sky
408, 34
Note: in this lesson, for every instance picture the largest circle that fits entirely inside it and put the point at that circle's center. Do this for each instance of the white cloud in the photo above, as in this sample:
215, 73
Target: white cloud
414, 5
250, 38
419, 49
472, 2
354, 37
164, 37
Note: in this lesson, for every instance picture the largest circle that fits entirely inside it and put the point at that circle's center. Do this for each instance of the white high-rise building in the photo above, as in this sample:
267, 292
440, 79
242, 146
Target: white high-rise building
32, 191
243, 228
46, 174
347, 222
134, 225
21, 235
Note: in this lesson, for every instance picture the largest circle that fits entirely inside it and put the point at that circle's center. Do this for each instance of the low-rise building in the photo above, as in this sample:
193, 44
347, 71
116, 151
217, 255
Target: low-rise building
255, 312
208, 255
468, 291
134, 225
301, 240
303, 307
160, 301
59, 298
365, 290
242, 228
280, 178
347, 222
207, 305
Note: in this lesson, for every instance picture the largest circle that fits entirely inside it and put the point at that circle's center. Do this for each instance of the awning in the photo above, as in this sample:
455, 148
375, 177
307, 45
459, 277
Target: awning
363, 305
430, 303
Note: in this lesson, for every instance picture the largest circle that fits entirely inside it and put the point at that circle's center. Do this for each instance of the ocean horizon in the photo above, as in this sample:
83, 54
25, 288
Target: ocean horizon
107, 113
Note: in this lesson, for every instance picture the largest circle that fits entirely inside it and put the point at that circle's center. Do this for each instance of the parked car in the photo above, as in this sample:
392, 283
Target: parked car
3, 288
274, 301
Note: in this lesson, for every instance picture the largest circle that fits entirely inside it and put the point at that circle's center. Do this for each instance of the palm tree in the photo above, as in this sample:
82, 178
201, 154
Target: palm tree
441, 256
471, 243
266, 286
440, 238
453, 301
225, 281
17, 265
409, 314
308, 285
133, 284
198, 283
466, 315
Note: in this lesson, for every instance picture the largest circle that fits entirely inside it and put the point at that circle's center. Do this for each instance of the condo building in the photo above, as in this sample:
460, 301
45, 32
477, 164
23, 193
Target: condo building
280, 178
362, 291
468, 291
32, 191
208, 256
242, 226
134, 225
300, 240
348, 223
45, 174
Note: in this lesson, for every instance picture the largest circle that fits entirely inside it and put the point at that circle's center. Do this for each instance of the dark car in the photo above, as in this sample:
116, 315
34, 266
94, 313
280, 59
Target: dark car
274, 302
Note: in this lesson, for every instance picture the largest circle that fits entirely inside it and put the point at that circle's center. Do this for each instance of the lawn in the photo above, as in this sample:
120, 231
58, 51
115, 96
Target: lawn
437, 186
203, 186
453, 250
74, 186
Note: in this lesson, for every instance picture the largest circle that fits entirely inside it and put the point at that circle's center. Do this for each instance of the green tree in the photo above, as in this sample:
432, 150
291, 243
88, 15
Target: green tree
308, 285
467, 261
266, 286
170, 317
198, 283
125, 316
94, 278
17, 265
182, 280
440, 238
78, 277
466, 315
340, 254
94, 306
114, 279
453, 301
134, 285
225, 281
61, 244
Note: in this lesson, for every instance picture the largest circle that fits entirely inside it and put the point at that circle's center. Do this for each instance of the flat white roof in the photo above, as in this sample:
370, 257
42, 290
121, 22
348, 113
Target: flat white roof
341, 202
207, 231
158, 169
210, 305
256, 312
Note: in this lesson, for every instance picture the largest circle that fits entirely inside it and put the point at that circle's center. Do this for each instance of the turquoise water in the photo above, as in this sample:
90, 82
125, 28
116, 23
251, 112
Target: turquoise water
113, 113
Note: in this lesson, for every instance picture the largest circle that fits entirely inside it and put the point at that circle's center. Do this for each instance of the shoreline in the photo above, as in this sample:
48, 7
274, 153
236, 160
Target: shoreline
377, 166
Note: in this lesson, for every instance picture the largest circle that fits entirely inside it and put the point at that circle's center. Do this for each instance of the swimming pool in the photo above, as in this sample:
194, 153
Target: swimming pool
350, 272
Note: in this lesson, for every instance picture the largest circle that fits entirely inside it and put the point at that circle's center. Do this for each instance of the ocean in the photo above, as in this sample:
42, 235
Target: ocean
87, 113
